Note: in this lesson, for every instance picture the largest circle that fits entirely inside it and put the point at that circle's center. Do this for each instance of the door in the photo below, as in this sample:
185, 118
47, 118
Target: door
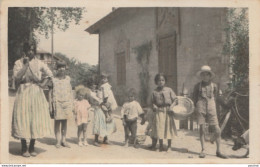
168, 60
121, 68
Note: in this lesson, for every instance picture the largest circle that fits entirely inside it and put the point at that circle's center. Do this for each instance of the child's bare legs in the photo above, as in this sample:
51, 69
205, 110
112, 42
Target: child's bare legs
79, 135
169, 145
217, 136
63, 133
57, 132
84, 128
202, 140
133, 130
126, 128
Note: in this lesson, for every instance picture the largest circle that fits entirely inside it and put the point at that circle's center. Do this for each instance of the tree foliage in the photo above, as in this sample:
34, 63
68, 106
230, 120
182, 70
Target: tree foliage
80, 73
237, 46
24, 22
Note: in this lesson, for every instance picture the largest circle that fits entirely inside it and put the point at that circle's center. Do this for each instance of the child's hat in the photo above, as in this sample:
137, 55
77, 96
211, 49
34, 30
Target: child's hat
205, 68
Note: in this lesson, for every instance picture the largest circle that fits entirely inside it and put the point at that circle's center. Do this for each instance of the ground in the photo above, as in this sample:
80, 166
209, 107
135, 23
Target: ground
185, 145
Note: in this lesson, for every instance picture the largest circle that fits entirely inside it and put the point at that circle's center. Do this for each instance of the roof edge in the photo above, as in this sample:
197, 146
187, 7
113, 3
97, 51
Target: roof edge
94, 28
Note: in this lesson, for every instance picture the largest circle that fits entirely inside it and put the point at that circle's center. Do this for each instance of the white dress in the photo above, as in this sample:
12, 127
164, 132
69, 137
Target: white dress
106, 92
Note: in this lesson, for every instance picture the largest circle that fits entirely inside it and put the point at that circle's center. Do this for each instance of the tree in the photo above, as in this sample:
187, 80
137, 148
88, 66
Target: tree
237, 46
23, 22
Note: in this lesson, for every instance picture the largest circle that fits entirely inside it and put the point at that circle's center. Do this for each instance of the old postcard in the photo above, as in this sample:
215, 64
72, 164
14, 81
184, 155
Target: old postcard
130, 81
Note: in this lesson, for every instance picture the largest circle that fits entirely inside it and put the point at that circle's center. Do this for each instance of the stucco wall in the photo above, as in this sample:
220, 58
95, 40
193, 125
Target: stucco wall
201, 39
135, 29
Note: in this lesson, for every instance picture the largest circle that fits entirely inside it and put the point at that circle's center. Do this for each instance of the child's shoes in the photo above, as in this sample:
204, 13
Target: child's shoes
169, 149
126, 144
161, 149
202, 154
26, 154
106, 142
96, 144
64, 144
57, 145
80, 144
220, 155
85, 143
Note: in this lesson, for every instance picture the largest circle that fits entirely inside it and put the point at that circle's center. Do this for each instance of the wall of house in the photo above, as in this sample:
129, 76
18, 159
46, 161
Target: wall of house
125, 33
201, 39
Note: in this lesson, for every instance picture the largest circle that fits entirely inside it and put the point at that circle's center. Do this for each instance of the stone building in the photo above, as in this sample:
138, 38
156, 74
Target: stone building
137, 43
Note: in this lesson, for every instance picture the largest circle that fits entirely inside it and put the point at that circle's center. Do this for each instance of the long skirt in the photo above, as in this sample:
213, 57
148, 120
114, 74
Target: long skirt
100, 126
31, 117
164, 127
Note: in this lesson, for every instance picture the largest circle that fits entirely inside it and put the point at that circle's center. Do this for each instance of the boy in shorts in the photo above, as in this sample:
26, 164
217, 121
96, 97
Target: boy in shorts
204, 96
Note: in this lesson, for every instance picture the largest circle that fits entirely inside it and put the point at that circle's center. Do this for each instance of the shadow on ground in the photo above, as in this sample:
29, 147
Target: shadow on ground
47, 140
15, 148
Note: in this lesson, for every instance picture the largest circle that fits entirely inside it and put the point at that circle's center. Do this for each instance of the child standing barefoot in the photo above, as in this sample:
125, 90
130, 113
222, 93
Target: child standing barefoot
62, 99
162, 98
130, 112
204, 96
81, 112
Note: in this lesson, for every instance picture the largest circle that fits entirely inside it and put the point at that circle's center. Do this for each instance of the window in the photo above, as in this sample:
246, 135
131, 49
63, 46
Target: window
121, 68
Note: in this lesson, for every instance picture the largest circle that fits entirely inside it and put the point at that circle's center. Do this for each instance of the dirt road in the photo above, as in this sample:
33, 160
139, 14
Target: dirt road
185, 145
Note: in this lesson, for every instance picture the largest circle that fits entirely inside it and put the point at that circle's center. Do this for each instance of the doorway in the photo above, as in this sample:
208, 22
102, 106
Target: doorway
168, 60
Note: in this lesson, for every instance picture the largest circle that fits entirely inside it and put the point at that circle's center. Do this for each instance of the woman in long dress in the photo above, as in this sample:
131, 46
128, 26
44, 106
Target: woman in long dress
31, 117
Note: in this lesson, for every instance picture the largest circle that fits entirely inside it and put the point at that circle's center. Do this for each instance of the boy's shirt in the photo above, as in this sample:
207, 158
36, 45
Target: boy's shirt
132, 110
204, 91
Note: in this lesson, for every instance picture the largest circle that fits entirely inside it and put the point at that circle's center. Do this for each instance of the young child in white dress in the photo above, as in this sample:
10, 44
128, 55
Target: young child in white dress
106, 93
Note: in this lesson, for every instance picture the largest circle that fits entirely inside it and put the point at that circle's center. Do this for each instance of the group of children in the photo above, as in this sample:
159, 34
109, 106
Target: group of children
102, 102
31, 118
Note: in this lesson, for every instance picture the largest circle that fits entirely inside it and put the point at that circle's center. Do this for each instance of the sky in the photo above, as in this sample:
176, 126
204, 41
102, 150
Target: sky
75, 41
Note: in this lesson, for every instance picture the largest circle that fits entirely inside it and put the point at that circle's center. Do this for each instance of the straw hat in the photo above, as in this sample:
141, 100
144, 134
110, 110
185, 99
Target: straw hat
205, 68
